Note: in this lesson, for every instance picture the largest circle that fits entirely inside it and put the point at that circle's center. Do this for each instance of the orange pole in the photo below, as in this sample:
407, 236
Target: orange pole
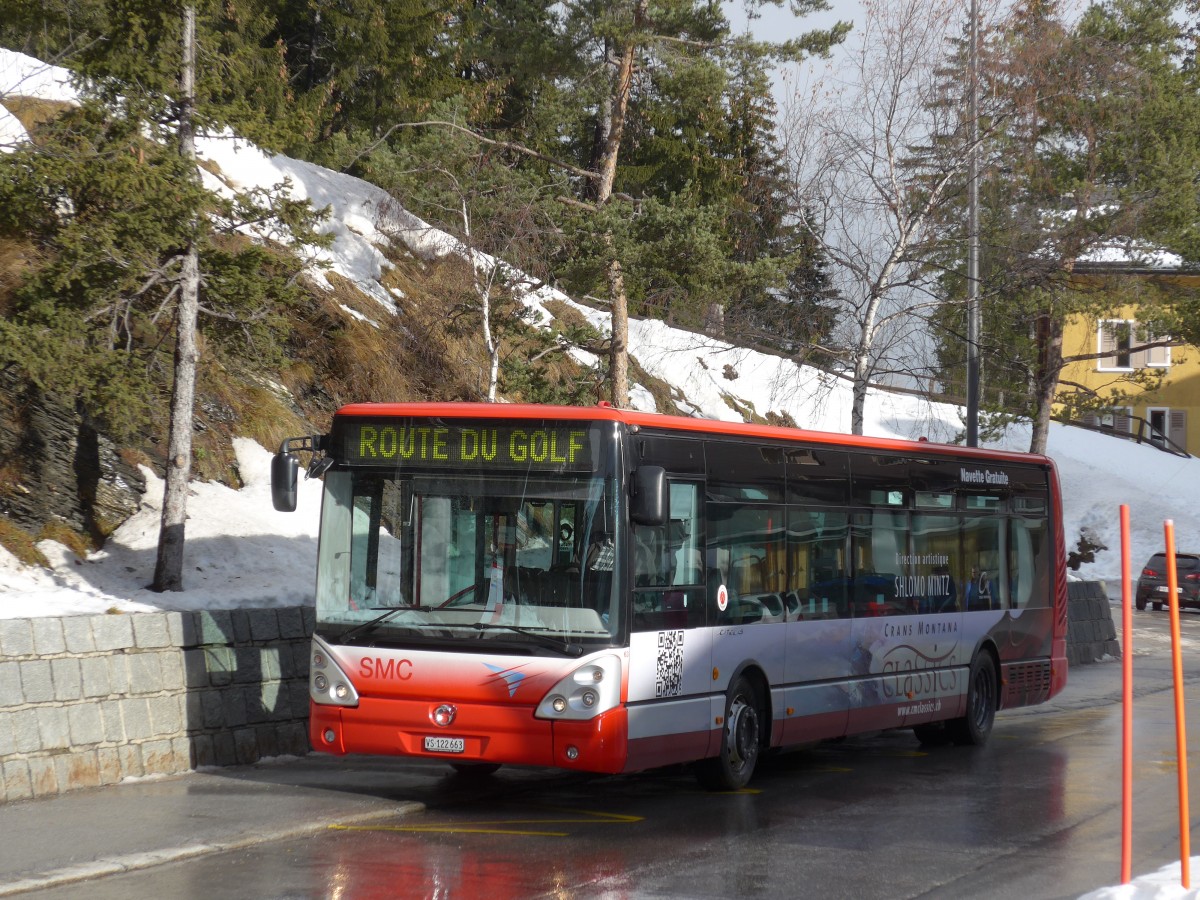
1180, 720
1127, 703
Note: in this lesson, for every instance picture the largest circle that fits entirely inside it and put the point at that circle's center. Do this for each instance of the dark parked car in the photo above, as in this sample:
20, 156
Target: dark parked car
1152, 583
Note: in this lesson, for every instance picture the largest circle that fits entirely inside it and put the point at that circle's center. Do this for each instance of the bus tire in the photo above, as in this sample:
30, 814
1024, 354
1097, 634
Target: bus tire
475, 770
974, 727
741, 740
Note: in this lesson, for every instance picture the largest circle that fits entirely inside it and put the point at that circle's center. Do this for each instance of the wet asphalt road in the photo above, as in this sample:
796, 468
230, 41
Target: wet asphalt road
1035, 814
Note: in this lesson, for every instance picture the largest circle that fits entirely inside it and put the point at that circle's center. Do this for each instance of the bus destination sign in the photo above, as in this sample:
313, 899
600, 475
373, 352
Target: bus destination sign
471, 445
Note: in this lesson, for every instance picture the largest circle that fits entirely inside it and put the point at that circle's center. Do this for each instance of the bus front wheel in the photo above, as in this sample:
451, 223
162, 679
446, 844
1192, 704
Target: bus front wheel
982, 699
740, 743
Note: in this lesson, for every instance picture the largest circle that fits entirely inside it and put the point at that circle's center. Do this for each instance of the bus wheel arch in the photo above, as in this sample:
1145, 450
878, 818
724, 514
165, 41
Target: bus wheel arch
745, 734
983, 699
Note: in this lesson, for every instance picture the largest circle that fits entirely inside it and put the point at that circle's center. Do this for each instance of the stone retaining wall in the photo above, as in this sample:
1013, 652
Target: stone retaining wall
89, 700
1091, 635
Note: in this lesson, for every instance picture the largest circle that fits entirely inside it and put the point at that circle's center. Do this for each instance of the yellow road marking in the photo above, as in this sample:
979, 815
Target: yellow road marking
506, 826
738, 791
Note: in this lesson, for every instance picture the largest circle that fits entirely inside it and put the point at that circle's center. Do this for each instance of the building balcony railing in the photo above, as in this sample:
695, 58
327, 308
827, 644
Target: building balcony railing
1139, 431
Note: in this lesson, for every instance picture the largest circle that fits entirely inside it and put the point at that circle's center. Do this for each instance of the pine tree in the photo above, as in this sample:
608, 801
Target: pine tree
118, 268
1097, 142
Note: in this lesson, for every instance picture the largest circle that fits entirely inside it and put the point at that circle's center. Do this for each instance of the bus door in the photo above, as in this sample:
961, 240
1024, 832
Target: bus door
670, 649
745, 580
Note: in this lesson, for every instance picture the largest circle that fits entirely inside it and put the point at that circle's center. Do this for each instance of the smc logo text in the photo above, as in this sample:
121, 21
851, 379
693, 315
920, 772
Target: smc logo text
374, 667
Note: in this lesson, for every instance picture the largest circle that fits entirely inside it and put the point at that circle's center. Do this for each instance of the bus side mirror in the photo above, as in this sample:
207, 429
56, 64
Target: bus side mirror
651, 496
284, 469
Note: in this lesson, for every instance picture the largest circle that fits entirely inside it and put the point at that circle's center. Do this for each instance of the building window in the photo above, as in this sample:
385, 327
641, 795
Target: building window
1117, 340
1118, 418
1156, 357
1115, 344
1159, 426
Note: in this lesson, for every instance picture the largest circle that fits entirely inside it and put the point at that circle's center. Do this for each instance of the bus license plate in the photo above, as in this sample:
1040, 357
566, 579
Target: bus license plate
444, 745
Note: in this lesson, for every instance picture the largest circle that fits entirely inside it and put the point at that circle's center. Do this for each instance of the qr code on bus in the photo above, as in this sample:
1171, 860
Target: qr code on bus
668, 680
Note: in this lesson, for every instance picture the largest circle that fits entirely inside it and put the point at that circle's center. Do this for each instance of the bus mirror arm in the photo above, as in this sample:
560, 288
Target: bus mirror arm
650, 500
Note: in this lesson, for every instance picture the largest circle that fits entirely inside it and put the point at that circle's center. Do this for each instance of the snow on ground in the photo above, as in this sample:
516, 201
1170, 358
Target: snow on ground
240, 552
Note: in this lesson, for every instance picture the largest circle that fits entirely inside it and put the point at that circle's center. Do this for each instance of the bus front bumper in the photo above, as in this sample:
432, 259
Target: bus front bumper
479, 734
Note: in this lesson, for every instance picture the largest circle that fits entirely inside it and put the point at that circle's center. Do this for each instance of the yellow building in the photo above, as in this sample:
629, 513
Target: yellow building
1166, 411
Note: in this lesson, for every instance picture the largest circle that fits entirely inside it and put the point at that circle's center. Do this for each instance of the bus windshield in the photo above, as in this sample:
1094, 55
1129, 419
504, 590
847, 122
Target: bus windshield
470, 554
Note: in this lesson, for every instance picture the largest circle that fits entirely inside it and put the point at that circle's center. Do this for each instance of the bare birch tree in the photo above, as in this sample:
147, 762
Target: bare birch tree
856, 143
168, 568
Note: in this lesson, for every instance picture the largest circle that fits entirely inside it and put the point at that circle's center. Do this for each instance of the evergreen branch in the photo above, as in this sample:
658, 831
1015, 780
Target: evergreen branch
156, 277
491, 142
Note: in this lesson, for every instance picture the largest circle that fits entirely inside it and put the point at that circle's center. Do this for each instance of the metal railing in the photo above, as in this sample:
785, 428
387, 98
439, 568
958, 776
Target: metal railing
1140, 432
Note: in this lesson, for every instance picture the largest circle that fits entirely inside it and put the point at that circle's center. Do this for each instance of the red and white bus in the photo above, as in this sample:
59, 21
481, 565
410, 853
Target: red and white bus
611, 591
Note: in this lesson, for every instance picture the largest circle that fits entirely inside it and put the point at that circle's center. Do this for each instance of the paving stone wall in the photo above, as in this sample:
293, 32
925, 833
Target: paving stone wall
1091, 634
90, 700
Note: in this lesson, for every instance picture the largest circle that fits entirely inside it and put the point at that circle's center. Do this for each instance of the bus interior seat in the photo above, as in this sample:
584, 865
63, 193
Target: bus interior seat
747, 575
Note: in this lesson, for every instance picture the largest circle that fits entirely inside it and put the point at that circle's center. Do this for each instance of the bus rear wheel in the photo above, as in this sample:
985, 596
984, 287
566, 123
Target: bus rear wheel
974, 727
741, 741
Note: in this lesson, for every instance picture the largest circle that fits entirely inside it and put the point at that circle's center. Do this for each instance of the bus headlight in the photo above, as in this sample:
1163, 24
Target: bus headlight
328, 685
586, 692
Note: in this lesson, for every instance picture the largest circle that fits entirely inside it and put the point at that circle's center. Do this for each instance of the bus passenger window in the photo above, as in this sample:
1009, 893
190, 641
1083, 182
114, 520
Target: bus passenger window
747, 558
983, 586
1028, 565
930, 573
882, 585
818, 575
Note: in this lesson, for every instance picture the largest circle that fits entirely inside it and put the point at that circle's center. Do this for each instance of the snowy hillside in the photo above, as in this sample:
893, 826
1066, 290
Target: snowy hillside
241, 553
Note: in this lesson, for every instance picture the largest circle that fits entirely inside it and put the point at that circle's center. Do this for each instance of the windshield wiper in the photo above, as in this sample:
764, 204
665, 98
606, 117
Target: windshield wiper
565, 647
371, 624
568, 648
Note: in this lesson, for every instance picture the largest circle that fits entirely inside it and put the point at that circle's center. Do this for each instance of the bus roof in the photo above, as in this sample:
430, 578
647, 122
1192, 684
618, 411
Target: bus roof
605, 412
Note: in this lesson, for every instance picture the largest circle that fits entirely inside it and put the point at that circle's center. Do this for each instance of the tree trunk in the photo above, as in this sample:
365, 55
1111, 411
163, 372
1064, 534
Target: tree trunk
622, 87
483, 290
714, 320
619, 347
1049, 355
168, 570
858, 393
863, 365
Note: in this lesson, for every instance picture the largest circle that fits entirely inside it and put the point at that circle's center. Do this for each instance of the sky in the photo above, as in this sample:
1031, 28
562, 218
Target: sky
240, 552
